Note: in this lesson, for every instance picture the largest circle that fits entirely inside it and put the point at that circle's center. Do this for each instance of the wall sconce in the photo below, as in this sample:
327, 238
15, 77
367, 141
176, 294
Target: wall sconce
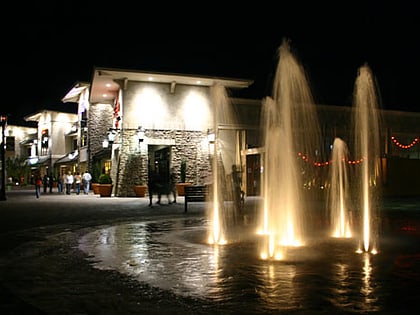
210, 136
140, 133
110, 137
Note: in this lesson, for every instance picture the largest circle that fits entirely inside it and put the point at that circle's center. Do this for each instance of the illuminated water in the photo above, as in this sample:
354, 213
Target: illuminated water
325, 278
367, 151
291, 135
338, 198
247, 275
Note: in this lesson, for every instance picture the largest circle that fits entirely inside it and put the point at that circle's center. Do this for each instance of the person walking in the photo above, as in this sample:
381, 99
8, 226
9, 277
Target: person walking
45, 181
50, 182
77, 182
38, 184
69, 183
86, 182
152, 185
60, 183
172, 185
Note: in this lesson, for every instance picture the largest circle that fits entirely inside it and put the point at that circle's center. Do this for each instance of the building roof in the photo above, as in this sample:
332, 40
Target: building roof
108, 81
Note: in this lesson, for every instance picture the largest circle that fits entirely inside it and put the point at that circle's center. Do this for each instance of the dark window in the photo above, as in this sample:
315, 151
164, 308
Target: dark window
10, 143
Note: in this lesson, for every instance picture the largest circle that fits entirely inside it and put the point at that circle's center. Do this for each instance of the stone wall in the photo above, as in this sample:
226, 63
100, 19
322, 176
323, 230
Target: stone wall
133, 157
99, 121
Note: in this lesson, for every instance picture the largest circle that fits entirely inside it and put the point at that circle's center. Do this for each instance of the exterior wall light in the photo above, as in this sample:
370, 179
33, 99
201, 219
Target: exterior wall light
210, 136
140, 133
111, 136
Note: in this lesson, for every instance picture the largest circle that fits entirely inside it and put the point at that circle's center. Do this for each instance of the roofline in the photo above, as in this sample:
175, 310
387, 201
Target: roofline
189, 79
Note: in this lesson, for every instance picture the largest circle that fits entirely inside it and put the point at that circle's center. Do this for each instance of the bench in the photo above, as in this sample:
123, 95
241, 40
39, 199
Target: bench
194, 193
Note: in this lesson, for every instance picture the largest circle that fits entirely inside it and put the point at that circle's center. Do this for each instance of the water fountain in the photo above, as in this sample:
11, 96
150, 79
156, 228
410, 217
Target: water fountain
291, 136
367, 149
170, 253
338, 195
222, 214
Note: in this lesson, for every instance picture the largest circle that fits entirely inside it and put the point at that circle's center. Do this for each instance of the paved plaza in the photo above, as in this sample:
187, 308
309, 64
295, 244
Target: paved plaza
43, 270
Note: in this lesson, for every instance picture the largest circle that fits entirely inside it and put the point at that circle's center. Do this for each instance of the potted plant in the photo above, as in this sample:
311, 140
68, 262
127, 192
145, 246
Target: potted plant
96, 172
140, 189
105, 185
180, 187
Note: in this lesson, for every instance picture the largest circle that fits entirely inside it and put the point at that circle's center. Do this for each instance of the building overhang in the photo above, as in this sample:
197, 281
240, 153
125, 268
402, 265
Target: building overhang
107, 82
38, 161
69, 158
74, 94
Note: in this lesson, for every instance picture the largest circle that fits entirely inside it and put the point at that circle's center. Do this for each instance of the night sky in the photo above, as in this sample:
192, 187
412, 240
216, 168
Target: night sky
46, 56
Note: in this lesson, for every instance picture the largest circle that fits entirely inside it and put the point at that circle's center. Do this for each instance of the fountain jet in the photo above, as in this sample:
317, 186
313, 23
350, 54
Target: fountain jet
338, 192
367, 149
291, 136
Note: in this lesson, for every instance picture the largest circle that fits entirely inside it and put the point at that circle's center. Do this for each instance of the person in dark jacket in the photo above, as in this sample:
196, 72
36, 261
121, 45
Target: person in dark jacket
153, 187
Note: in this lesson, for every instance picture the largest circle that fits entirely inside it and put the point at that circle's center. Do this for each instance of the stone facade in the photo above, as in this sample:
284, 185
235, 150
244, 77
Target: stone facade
132, 157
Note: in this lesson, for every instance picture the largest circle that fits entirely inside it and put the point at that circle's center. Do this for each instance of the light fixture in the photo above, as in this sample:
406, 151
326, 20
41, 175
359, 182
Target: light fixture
140, 133
210, 136
111, 136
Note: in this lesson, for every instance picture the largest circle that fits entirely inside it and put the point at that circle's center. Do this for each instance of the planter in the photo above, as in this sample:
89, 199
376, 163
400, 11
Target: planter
105, 190
140, 190
180, 188
95, 188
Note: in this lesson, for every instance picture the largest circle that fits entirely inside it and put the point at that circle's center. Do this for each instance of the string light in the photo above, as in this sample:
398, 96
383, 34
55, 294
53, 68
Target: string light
403, 146
327, 163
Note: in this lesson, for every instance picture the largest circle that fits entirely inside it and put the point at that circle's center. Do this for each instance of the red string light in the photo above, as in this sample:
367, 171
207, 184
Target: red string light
404, 146
327, 163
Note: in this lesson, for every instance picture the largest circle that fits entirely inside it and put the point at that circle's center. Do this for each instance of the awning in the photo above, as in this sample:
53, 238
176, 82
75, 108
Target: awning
104, 153
69, 158
38, 161
27, 141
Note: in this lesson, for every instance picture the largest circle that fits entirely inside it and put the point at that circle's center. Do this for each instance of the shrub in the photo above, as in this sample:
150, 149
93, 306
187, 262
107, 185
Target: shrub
105, 179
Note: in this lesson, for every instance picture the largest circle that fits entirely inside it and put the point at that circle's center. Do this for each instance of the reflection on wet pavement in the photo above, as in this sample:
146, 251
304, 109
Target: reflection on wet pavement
326, 275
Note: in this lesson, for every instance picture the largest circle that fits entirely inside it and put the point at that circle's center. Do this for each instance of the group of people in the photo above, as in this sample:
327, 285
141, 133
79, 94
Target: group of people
159, 186
65, 183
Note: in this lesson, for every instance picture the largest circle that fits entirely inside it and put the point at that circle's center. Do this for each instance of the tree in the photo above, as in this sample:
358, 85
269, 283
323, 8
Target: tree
17, 168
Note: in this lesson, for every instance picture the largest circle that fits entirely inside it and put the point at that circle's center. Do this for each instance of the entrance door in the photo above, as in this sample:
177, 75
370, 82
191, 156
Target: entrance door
160, 161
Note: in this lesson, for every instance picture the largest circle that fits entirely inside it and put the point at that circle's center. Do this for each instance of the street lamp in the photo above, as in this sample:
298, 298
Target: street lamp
3, 161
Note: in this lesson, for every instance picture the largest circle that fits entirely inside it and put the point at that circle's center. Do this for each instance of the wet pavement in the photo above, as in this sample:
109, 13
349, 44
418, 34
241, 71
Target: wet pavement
88, 255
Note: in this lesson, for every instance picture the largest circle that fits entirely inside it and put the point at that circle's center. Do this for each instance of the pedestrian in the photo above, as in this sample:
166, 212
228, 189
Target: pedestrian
50, 182
38, 184
69, 183
45, 180
77, 182
86, 182
64, 183
172, 185
152, 186
60, 183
